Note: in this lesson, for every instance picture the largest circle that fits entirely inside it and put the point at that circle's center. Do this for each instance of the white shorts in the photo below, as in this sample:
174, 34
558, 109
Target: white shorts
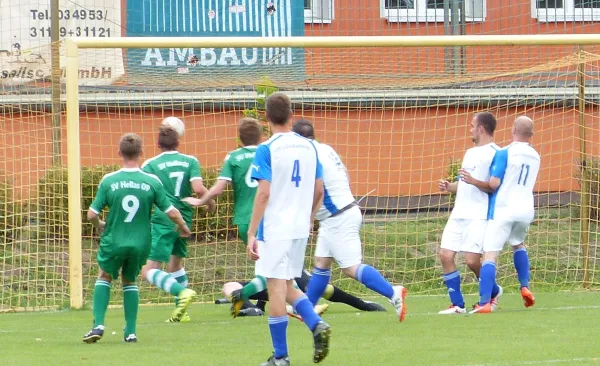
339, 238
281, 259
464, 235
498, 232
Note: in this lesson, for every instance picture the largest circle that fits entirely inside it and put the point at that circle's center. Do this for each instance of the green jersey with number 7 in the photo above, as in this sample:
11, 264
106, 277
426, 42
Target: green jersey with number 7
237, 169
130, 195
176, 171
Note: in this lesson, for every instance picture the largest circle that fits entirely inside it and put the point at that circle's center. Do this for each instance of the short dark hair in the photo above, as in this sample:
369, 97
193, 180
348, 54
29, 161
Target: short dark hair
278, 109
168, 138
130, 146
304, 128
249, 131
487, 121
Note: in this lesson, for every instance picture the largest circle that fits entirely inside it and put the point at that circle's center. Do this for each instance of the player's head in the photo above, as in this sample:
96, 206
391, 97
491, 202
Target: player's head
249, 131
130, 147
483, 124
522, 129
278, 109
304, 128
168, 138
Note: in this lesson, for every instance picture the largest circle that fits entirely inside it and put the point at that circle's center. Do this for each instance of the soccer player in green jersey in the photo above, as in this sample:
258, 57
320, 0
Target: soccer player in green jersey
126, 238
237, 170
180, 175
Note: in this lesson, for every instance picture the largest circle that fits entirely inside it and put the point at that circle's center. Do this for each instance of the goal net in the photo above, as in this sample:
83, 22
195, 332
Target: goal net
398, 117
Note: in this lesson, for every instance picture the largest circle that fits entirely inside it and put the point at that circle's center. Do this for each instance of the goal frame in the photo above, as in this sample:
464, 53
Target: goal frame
73, 44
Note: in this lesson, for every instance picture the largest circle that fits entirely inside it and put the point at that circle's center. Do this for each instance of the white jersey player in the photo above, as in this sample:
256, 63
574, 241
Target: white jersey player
339, 231
465, 229
513, 175
290, 179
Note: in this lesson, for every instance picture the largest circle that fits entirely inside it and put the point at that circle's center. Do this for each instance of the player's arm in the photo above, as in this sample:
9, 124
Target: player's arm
319, 192
100, 201
198, 186
498, 169
162, 202
445, 186
261, 171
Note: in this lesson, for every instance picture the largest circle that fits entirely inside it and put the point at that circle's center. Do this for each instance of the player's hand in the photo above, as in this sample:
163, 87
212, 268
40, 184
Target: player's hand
211, 206
193, 201
465, 176
184, 231
252, 248
443, 185
101, 227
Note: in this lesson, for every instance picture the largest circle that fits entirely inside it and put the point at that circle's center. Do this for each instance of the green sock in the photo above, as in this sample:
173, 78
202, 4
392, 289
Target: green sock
164, 281
258, 284
181, 278
101, 298
131, 300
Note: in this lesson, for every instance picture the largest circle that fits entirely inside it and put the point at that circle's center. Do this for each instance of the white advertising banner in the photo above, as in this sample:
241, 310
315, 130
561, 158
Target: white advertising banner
25, 40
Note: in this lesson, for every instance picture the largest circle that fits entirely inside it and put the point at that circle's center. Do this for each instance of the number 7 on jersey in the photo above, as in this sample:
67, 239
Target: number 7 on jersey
296, 173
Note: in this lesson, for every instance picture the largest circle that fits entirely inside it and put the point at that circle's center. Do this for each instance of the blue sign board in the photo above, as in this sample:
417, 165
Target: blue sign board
216, 18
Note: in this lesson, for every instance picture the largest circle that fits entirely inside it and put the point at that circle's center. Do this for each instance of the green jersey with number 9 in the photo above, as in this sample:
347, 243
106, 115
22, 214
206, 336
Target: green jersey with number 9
237, 169
130, 195
176, 171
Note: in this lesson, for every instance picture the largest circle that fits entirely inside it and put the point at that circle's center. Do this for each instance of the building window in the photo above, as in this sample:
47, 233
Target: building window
318, 11
429, 10
565, 10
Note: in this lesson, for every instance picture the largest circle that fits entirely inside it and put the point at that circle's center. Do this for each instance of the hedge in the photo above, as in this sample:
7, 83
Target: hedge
53, 203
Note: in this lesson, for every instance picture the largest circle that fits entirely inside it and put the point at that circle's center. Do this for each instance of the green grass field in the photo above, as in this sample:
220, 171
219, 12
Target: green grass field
561, 329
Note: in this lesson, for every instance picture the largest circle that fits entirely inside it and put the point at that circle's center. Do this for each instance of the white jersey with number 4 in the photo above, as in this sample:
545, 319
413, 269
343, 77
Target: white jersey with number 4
337, 187
289, 161
471, 202
517, 165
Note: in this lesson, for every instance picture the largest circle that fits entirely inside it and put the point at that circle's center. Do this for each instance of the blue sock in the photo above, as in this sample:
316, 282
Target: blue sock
521, 261
495, 290
305, 309
373, 280
317, 284
278, 328
452, 281
487, 278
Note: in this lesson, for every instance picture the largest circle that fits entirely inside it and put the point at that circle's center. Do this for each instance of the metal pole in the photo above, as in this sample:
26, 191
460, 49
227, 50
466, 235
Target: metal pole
447, 32
454, 20
55, 80
586, 173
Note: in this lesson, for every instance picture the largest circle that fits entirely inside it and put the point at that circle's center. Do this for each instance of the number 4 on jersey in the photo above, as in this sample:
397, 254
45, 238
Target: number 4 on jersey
296, 173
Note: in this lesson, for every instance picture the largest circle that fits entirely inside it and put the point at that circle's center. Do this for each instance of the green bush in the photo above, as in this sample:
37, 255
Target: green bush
53, 203
218, 225
12, 212
53, 198
588, 172
452, 176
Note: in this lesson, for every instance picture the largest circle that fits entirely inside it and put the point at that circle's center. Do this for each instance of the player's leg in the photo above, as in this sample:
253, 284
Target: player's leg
472, 247
302, 306
496, 235
248, 308
255, 286
163, 239
177, 270
521, 260
132, 266
335, 294
450, 245
321, 273
109, 269
272, 264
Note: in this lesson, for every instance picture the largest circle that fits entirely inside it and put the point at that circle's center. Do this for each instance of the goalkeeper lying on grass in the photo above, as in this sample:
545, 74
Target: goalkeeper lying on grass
332, 294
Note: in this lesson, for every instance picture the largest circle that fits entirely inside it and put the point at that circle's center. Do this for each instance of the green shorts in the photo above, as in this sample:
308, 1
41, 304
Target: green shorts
243, 232
127, 259
166, 242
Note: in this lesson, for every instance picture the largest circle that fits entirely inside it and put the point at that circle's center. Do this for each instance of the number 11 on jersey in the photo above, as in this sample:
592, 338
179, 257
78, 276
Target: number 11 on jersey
296, 173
